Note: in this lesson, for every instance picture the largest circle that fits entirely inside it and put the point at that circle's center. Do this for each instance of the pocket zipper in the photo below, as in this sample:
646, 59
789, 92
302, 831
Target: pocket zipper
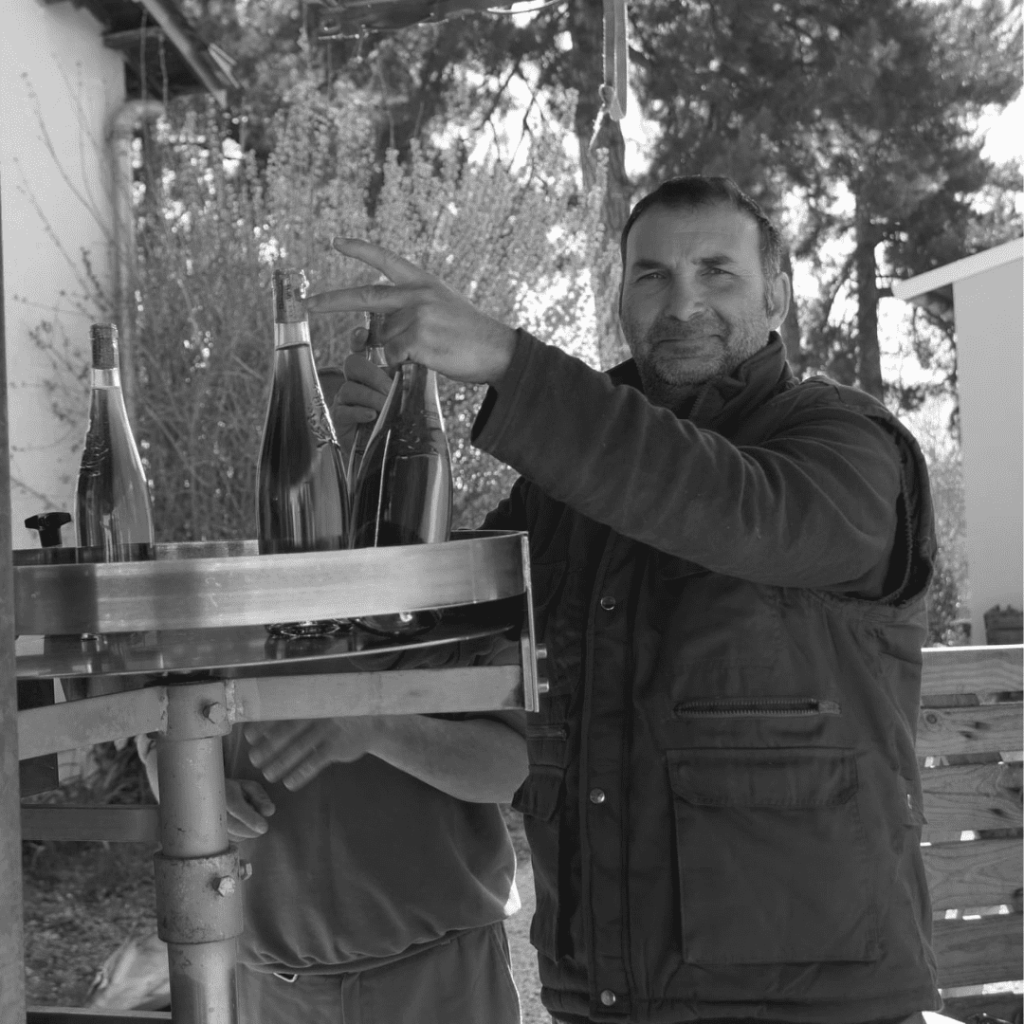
560, 732
742, 707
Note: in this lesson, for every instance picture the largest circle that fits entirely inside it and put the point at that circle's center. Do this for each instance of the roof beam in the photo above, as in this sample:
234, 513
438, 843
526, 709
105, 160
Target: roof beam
185, 46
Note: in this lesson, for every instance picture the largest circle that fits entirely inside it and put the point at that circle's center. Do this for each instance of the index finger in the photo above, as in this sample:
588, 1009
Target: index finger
397, 269
369, 298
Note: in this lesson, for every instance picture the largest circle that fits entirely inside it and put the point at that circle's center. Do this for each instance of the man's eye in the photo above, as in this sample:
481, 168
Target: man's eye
651, 275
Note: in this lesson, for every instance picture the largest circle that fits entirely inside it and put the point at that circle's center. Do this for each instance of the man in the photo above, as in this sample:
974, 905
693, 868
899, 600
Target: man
729, 571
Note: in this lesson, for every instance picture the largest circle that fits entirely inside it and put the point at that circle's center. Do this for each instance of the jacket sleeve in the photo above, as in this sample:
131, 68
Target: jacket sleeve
812, 506
510, 513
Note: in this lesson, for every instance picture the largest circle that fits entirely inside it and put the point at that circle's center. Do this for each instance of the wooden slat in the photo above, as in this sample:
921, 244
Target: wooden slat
977, 730
973, 874
1001, 1005
971, 796
106, 822
978, 952
75, 1015
982, 670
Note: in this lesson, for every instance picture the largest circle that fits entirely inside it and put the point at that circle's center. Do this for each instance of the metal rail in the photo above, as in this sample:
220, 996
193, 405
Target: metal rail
195, 586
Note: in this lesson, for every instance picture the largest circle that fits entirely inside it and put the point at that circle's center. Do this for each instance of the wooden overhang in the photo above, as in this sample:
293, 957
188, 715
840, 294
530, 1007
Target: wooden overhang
164, 54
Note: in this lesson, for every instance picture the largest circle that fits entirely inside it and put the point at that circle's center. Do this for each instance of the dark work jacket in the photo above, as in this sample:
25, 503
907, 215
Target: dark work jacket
723, 804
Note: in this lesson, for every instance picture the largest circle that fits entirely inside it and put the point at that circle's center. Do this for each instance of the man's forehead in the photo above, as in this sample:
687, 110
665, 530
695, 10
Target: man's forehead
693, 232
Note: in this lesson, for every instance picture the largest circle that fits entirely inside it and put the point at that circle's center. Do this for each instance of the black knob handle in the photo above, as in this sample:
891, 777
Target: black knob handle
48, 524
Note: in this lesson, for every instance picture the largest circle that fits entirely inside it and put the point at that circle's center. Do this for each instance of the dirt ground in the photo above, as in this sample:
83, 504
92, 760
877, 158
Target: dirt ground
83, 899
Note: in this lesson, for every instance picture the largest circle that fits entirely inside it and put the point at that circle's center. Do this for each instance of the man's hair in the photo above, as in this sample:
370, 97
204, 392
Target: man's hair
700, 190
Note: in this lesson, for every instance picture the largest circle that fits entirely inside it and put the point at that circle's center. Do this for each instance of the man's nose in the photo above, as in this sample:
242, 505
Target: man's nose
684, 300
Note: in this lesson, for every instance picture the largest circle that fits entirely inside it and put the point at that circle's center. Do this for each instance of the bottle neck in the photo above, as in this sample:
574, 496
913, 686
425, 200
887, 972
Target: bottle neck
105, 377
419, 394
375, 353
290, 334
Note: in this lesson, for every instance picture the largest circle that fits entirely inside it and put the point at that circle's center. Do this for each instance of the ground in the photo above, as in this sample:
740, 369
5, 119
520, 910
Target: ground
83, 899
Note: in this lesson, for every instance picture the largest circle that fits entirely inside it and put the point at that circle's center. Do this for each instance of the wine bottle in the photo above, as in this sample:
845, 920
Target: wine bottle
301, 493
113, 516
403, 493
374, 352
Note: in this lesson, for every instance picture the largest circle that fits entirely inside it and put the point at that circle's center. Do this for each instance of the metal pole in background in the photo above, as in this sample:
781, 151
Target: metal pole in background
12, 939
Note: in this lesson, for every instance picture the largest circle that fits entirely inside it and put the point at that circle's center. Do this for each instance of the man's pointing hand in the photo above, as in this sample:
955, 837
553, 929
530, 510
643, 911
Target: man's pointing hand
427, 322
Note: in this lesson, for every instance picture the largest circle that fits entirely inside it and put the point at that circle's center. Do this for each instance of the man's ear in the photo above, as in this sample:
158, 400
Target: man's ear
781, 294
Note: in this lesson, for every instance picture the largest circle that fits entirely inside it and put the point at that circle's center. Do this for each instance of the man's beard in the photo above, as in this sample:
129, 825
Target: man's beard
667, 378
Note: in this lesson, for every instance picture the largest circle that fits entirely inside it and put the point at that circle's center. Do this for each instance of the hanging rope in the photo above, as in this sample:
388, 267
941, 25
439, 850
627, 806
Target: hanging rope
614, 89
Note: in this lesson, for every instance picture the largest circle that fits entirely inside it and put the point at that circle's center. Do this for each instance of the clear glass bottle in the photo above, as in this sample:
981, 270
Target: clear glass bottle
114, 519
403, 494
301, 493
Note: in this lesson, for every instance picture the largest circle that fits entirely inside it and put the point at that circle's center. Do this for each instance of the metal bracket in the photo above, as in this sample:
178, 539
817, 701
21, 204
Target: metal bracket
199, 899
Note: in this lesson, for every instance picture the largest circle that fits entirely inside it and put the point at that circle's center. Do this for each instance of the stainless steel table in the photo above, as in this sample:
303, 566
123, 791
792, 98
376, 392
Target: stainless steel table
179, 646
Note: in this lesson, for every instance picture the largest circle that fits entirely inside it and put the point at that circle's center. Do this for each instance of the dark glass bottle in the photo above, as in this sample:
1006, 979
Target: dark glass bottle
113, 516
374, 352
302, 493
403, 493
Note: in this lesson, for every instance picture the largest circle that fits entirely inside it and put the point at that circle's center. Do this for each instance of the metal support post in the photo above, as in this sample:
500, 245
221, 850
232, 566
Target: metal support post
12, 941
198, 877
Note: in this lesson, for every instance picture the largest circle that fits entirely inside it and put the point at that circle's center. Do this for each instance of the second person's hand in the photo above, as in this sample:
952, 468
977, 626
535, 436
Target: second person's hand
248, 808
295, 751
361, 397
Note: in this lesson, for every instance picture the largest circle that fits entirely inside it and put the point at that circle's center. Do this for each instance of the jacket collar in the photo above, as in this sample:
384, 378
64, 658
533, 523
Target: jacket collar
723, 402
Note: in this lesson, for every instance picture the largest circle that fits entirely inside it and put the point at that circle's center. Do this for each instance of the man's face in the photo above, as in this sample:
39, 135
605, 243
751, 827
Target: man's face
693, 296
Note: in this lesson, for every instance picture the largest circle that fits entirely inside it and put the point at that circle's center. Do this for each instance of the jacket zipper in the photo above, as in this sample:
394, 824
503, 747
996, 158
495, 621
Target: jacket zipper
744, 707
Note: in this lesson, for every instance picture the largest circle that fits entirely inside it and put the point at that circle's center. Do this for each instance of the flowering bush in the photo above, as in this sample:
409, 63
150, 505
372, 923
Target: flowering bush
522, 245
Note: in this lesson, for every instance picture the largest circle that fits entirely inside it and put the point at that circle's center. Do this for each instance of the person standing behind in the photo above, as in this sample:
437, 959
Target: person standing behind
382, 870
729, 571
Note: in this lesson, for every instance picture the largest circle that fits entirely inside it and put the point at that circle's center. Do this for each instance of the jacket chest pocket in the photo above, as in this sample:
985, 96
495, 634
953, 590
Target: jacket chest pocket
539, 800
772, 858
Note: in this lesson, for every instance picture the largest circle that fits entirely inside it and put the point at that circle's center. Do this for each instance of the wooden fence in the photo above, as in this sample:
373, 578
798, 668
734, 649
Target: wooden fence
969, 743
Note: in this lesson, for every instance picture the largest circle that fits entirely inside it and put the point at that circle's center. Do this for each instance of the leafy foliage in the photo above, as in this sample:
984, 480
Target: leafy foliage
856, 123
949, 595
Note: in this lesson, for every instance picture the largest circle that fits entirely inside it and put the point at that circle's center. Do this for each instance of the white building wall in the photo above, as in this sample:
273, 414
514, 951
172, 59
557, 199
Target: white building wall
990, 344
59, 86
